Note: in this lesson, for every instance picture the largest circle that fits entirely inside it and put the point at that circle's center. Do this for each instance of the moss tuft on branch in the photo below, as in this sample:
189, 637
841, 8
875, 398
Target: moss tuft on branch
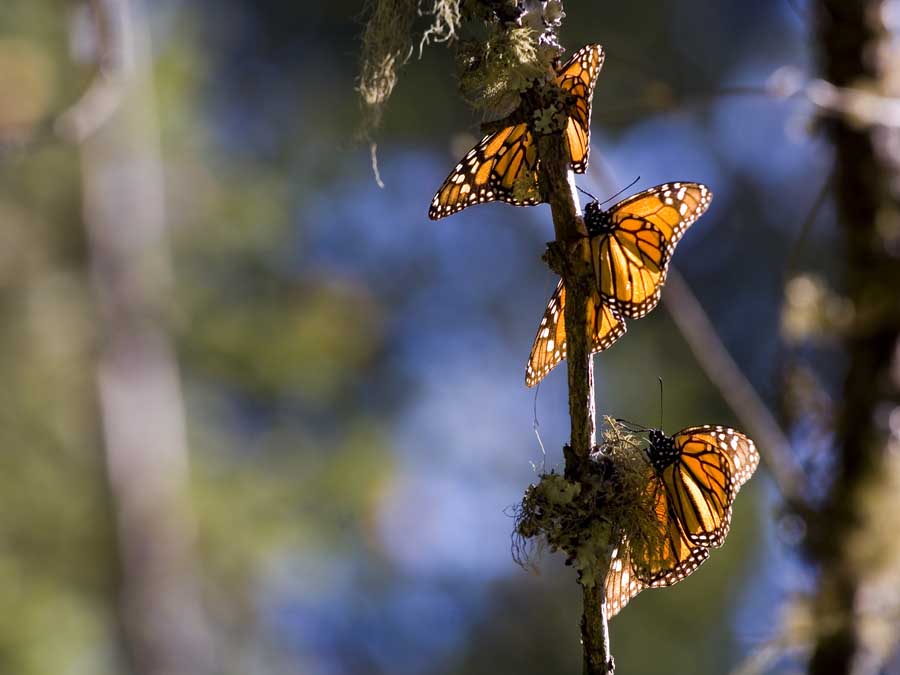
587, 518
496, 70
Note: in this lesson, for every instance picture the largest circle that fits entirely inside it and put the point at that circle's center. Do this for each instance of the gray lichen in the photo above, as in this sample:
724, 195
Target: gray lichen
586, 519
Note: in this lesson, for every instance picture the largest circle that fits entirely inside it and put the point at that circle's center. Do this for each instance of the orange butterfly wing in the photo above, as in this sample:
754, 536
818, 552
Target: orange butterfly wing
714, 462
578, 77
622, 584
739, 450
664, 559
669, 556
503, 166
632, 259
549, 346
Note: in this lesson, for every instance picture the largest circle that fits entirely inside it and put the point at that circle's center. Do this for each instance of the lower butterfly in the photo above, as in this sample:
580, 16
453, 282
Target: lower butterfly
692, 480
631, 246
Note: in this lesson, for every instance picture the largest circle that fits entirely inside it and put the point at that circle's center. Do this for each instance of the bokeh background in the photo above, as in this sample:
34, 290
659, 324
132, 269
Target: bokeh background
350, 374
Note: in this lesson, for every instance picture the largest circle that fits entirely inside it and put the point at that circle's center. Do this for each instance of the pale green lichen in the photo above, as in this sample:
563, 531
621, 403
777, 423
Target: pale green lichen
610, 505
496, 70
525, 187
593, 548
545, 119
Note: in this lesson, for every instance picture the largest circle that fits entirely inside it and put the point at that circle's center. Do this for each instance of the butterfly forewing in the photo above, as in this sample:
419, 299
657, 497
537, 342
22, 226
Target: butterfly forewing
739, 451
503, 166
549, 346
578, 78
629, 266
713, 462
701, 490
631, 259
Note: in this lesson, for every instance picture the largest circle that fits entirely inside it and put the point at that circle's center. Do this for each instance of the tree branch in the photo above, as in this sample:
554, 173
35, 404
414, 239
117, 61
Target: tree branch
570, 256
735, 389
852, 537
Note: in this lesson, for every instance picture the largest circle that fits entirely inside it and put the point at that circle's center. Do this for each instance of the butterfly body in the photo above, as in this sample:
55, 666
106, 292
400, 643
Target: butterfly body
631, 245
693, 478
662, 450
596, 220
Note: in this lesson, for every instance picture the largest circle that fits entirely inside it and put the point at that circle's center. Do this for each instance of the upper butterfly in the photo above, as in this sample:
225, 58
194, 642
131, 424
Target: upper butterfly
631, 246
504, 165
692, 481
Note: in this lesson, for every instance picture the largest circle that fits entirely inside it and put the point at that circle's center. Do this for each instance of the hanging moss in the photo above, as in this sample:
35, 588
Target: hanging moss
515, 46
387, 44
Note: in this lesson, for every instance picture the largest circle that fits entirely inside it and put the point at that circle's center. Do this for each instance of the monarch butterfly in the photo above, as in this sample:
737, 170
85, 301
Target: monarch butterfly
693, 479
631, 246
504, 165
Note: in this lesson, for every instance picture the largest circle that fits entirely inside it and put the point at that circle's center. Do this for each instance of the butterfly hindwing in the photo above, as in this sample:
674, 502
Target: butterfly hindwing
631, 257
622, 584
669, 556
549, 346
713, 462
701, 491
629, 267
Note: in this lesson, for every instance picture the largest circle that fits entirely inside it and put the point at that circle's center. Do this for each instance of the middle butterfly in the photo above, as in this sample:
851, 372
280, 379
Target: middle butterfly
631, 246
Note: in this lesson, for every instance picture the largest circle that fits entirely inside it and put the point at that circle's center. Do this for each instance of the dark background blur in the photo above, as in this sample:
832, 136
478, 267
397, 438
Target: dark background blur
352, 374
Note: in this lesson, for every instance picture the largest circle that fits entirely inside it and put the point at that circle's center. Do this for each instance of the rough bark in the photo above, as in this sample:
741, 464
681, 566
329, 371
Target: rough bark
849, 537
569, 254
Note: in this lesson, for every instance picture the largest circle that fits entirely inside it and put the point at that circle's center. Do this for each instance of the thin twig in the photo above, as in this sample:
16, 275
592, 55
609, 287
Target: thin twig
735, 388
806, 227
104, 93
571, 255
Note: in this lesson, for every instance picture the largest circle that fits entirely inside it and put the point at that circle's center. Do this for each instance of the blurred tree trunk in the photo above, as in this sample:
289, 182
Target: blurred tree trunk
853, 535
140, 397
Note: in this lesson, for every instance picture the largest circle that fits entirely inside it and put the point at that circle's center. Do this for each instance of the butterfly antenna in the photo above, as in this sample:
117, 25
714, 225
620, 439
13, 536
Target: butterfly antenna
660, 403
631, 426
586, 193
536, 427
620, 191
